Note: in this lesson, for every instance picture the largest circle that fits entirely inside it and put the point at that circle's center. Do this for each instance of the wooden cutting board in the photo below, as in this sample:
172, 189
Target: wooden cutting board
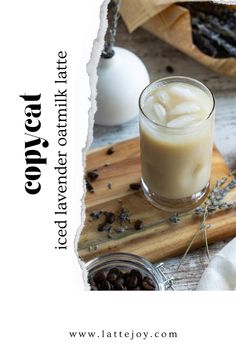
159, 238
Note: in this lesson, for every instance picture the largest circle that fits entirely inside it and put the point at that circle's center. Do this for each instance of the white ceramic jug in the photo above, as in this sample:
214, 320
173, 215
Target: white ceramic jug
121, 79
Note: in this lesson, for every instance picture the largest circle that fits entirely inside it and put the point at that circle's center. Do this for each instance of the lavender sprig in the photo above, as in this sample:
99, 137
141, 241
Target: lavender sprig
217, 194
212, 204
174, 218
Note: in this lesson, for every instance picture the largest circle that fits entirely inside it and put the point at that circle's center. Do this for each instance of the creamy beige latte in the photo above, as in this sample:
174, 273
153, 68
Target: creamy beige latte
176, 126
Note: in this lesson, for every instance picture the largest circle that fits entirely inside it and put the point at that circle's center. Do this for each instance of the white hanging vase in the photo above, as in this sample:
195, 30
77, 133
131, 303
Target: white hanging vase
121, 79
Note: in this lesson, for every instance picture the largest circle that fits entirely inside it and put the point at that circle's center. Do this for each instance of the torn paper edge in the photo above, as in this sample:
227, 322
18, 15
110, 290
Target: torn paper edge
92, 65
224, 2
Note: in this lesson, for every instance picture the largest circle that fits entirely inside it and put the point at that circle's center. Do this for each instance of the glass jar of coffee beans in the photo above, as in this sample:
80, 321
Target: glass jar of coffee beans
125, 271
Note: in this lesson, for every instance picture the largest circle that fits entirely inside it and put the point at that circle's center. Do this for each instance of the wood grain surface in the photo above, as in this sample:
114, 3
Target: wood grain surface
157, 57
159, 238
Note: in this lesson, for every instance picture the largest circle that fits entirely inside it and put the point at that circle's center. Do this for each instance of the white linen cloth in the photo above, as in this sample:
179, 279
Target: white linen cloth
221, 272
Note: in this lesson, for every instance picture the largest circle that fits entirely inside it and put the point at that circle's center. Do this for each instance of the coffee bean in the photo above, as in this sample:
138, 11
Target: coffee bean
137, 288
115, 279
131, 282
89, 186
92, 175
110, 151
93, 288
135, 186
137, 274
99, 277
126, 275
105, 285
109, 217
119, 284
102, 227
119, 287
113, 275
150, 281
169, 69
148, 284
91, 282
138, 225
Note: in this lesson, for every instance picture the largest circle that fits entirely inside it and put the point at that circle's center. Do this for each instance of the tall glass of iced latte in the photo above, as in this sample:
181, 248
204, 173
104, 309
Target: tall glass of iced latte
176, 137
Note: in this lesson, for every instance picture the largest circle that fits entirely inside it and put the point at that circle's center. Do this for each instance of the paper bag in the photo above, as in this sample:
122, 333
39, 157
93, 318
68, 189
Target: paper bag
171, 23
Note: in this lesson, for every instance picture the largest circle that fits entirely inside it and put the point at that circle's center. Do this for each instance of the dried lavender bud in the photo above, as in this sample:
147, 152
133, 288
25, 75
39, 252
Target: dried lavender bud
213, 29
199, 210
89, 186
231, 205
169, 69
135, 186
138, 225
174, 218
119, 229
211, 208
123, 216
95, 215
110, 151
92, 175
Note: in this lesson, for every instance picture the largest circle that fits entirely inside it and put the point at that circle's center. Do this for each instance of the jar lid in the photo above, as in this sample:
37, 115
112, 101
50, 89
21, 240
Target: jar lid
104, 271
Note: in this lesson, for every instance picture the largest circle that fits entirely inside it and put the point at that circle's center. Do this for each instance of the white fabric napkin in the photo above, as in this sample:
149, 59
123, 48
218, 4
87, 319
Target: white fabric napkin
221, 272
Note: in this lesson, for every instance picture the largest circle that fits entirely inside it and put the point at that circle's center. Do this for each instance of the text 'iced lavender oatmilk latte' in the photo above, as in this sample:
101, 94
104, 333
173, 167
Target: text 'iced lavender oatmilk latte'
176, 137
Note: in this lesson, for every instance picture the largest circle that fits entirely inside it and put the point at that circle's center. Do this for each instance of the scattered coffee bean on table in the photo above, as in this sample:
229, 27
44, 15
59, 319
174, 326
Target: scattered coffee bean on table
92, 175
110, 151
120, 279
89, 186
135, 186
102, 227
109, 217
138, 225
169, 69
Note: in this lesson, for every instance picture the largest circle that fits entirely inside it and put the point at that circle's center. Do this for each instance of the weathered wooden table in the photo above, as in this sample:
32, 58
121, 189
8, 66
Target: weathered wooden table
157, 55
